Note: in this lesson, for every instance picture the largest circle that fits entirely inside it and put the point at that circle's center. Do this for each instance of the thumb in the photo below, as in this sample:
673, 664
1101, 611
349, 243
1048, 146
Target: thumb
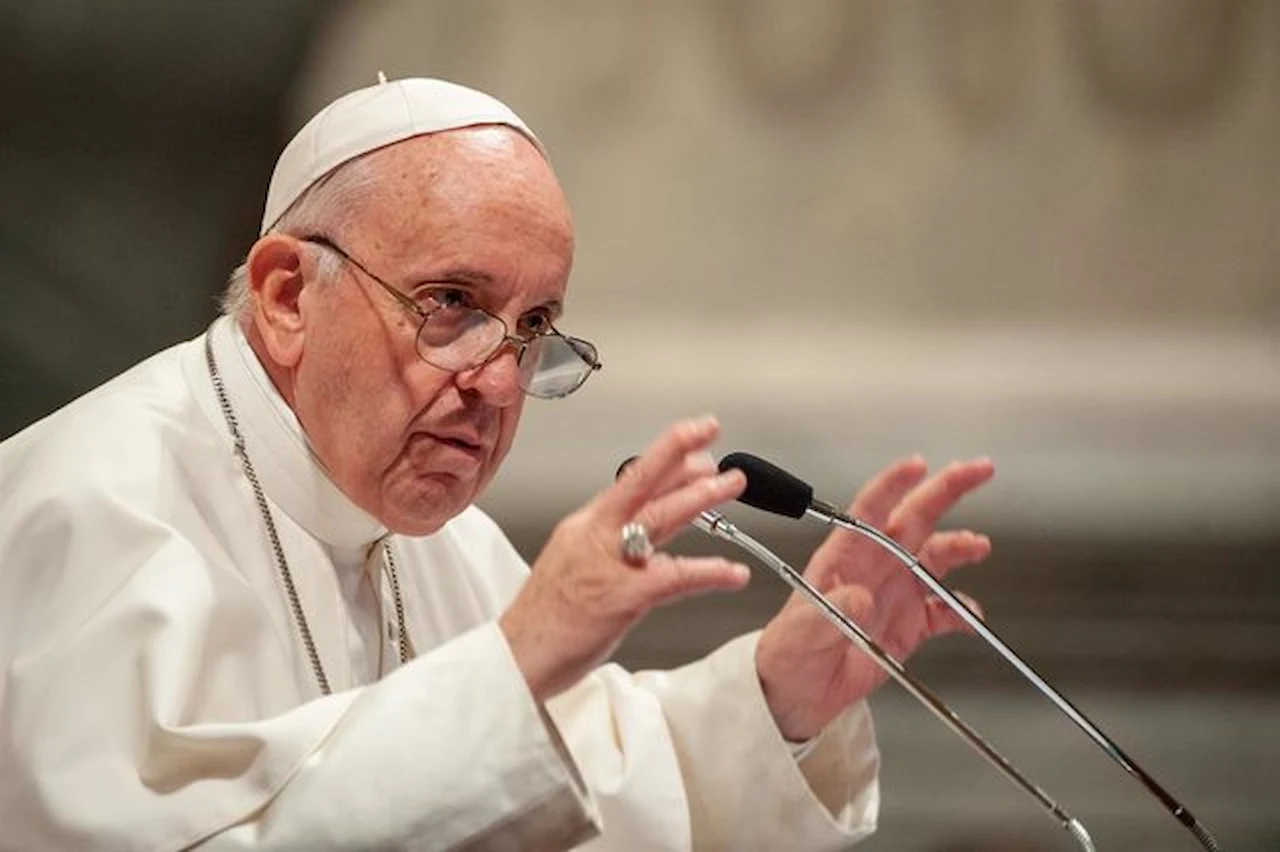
809, 625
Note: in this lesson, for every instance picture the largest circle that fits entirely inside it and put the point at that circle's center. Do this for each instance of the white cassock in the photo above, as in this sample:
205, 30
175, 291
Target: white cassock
155, 693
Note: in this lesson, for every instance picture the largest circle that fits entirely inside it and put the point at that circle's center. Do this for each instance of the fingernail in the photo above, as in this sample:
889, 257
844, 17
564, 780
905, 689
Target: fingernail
741, 573
732, 476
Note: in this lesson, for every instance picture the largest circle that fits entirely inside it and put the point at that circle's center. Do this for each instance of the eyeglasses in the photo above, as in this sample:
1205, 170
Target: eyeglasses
455, 336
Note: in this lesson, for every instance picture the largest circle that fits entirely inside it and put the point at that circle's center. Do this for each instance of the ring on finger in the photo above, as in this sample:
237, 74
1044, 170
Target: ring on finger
635, 546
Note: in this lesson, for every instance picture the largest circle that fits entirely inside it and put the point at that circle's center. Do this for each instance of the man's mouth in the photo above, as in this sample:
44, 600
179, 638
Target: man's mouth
469, 444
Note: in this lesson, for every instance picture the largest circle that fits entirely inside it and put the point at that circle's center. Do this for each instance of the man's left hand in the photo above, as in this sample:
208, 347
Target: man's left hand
808, 670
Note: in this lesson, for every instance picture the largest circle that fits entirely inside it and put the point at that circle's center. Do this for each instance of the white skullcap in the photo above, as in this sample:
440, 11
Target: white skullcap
372, 118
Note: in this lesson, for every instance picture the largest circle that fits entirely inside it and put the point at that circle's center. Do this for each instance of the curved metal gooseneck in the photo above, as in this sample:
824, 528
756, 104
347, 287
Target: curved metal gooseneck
773, 489
829, 515
715, 524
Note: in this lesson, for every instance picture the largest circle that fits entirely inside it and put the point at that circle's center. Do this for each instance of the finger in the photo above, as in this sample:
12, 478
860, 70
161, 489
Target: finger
809, 626
941, 619
919, 512
886, 489
677, 577
944, 551
665, 516
639, 481
873, 504
695, 466
858, 603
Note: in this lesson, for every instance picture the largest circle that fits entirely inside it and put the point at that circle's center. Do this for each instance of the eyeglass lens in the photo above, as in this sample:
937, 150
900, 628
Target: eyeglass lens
459, 338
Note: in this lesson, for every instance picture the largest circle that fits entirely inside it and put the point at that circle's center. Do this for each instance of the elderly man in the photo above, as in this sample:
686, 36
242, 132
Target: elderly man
246, 601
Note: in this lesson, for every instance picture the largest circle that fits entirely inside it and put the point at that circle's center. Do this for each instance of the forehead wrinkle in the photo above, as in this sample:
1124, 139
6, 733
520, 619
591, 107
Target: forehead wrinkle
465, 275
478, 206
479, 173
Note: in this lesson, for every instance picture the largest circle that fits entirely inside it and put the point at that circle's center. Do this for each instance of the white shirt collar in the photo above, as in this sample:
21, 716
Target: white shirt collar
290, 473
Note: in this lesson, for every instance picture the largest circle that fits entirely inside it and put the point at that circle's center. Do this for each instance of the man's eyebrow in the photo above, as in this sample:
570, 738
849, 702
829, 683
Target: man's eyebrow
459, 275
479, 278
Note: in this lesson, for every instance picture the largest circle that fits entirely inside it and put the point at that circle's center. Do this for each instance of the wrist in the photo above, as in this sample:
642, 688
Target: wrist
793, 718
528, 651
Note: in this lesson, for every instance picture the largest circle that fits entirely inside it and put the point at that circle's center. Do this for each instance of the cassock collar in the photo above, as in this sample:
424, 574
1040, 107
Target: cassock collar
288, 469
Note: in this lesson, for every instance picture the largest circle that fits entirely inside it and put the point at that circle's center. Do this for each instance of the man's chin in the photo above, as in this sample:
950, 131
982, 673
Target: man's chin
426, 504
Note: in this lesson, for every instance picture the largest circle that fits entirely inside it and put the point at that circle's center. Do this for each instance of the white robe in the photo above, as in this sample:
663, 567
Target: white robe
155, 693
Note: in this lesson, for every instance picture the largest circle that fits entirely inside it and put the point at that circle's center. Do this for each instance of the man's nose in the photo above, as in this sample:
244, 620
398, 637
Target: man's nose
497, 380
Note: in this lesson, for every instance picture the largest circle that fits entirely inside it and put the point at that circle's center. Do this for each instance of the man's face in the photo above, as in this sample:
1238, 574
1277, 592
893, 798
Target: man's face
409, 443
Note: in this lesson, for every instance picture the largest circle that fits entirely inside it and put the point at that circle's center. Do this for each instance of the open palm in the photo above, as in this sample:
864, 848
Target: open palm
808, 670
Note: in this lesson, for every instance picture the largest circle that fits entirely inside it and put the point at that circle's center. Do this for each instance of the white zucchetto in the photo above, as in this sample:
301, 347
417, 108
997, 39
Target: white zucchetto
372, 118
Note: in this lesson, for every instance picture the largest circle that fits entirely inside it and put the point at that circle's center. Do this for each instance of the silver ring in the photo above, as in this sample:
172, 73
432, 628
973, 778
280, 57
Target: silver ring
636, 547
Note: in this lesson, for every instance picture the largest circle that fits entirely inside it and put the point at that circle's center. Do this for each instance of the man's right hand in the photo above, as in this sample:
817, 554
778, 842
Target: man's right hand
583, 597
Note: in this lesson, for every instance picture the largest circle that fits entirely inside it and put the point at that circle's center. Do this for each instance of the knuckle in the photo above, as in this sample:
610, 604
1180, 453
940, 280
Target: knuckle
573, 524
685, 431
953, 478
949, 541
681, 580
710, 486
646, 519
699, 463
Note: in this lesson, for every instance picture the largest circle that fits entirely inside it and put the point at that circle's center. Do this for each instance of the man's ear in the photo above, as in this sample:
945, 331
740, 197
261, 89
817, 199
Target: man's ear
275, 267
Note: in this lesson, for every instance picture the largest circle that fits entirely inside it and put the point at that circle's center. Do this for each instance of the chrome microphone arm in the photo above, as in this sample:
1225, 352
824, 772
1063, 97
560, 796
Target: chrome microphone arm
829, 515
715, 524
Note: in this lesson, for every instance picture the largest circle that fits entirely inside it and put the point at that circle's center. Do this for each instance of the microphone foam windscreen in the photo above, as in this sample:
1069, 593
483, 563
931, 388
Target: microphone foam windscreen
769, 487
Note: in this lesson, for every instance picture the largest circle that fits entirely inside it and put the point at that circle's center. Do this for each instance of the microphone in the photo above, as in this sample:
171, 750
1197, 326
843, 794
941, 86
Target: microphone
714, 524
769, 487
772, 489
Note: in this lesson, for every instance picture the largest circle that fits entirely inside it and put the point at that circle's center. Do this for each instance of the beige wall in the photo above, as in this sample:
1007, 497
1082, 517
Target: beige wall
1044, 231
1041, 231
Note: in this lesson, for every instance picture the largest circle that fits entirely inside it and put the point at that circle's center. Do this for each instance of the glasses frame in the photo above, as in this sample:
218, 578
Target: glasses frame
584, 349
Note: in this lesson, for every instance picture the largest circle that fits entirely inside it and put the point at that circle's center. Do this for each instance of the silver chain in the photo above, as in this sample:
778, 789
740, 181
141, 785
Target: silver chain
404, 647
299, 615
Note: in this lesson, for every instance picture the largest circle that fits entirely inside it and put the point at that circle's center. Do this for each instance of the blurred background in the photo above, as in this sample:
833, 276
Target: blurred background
1045, 232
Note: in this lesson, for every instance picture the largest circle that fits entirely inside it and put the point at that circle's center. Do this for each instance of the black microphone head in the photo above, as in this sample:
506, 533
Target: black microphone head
769, 487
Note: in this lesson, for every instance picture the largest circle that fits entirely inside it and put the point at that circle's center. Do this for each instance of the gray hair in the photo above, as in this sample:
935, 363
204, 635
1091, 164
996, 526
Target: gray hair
325, 208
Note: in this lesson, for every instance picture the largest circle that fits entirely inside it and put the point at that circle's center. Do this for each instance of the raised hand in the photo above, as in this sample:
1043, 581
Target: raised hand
583, 596
810, 672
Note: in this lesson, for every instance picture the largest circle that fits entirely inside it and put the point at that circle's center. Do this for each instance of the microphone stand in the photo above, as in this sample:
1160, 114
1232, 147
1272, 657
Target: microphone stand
829, 515
715, 524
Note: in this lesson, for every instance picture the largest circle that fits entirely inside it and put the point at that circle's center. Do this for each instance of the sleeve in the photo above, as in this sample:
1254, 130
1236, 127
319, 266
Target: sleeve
145, 704
692, 759
746, 790
448, 752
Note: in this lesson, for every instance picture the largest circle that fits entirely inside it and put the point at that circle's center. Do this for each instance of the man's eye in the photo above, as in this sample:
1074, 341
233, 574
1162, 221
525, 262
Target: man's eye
446, 297
535, 324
